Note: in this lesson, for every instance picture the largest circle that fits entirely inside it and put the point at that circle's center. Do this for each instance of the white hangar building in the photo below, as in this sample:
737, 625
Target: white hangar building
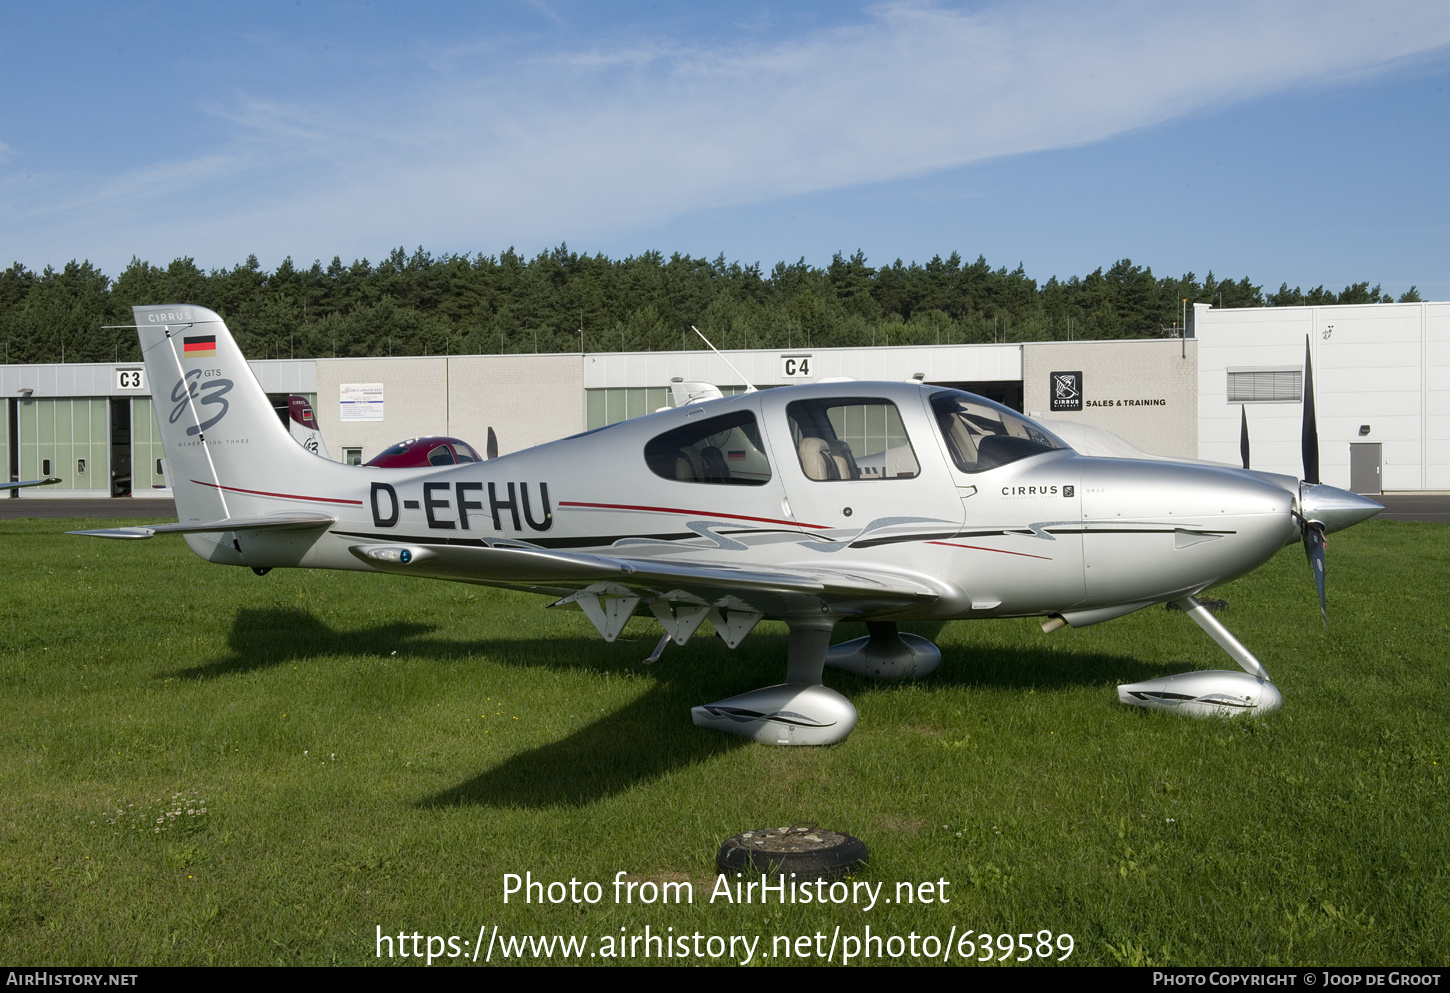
1381, 384
1379, 374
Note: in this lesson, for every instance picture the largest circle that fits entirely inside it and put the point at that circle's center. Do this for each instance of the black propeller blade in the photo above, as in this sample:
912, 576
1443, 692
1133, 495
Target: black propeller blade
1310, 438
1313, 530
1314, 551
490, 448
1244, 433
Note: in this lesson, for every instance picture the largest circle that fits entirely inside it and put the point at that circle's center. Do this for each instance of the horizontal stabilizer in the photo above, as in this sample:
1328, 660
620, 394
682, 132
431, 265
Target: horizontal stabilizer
272, 522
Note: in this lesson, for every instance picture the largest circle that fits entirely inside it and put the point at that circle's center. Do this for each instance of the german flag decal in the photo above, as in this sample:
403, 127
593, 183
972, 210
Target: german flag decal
200, 346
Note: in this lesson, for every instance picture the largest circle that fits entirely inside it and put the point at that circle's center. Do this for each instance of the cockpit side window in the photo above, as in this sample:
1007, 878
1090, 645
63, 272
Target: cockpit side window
721, 450
981, 435
851, 438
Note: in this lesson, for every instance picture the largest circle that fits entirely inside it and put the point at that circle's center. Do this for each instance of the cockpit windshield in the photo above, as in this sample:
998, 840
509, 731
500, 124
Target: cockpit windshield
982, 435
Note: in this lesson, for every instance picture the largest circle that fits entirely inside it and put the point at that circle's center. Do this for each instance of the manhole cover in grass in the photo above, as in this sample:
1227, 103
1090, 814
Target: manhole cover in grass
803, 849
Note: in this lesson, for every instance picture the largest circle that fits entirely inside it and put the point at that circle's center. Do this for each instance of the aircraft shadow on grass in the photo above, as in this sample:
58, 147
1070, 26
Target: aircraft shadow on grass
266, 638
651, 735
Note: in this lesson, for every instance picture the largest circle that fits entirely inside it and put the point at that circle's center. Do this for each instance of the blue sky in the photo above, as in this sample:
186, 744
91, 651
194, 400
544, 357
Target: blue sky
1298, 142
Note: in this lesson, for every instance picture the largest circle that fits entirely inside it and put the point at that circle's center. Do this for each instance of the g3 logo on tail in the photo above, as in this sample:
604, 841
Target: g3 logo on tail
186, 391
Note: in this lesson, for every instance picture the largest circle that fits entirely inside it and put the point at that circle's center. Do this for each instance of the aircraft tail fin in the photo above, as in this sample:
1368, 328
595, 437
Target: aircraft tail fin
228, 455
302, 425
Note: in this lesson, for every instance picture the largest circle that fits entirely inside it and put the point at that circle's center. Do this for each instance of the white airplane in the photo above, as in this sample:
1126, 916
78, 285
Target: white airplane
302, 426
814, 504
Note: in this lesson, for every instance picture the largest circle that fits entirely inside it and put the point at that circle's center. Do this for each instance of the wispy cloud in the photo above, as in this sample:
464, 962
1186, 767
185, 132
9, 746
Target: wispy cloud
544, 9
569, 143
643, 132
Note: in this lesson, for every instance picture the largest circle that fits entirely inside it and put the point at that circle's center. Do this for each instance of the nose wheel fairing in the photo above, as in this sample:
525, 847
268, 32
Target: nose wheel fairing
1214, 693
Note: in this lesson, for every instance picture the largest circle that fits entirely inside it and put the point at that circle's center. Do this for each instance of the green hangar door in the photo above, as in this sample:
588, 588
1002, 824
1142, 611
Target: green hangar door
65, 437
101, 445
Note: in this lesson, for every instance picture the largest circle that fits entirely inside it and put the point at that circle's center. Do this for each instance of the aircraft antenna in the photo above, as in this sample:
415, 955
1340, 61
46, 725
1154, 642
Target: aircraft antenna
749, 386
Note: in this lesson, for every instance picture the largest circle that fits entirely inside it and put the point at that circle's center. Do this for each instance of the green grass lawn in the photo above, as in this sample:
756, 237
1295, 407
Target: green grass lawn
203, 766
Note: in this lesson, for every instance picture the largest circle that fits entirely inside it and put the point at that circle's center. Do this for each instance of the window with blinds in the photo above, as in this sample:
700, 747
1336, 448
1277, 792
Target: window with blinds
1265, 385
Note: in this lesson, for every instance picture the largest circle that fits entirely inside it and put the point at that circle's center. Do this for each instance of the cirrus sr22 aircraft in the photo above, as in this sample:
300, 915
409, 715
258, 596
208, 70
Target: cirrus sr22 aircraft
879, 502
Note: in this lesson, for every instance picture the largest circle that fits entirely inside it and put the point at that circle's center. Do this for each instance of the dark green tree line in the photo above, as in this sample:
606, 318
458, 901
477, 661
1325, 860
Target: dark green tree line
560, 301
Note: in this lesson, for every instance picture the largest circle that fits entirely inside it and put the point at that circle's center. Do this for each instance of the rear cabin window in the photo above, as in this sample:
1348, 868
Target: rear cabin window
725, 451
851, 438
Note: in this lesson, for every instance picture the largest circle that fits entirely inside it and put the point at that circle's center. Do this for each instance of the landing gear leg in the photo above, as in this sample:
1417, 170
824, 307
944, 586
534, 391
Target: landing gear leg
1216, 693
1205, 619
799, 711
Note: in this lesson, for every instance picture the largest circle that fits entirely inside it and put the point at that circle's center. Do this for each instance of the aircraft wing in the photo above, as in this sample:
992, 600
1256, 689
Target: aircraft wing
272, 522
767, 590
30, 482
